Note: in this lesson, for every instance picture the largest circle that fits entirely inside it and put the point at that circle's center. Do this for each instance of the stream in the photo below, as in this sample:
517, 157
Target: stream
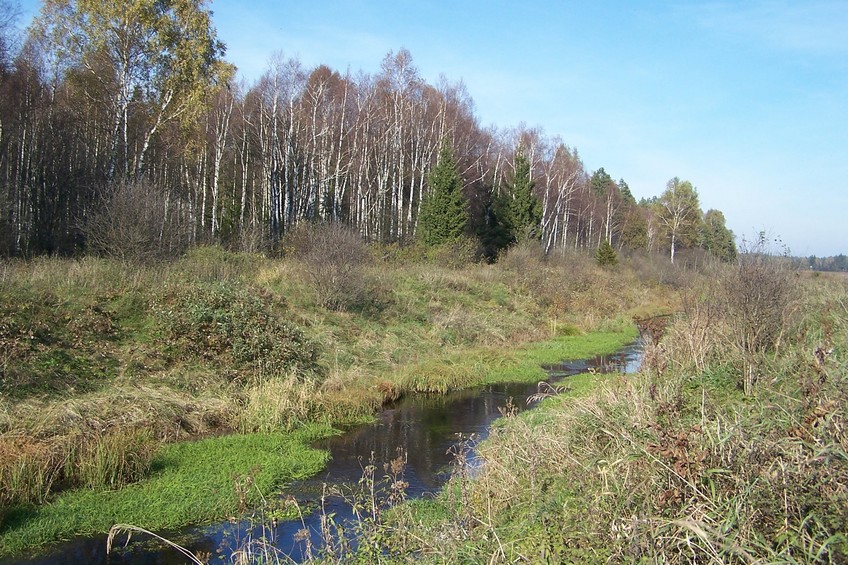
426, 428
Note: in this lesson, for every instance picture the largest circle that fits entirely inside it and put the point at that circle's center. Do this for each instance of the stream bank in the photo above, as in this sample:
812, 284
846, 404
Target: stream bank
424, 427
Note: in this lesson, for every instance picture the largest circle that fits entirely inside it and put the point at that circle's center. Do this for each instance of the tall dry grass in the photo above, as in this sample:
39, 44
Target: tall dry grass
281, 402
111, 460
680, 464
28, 470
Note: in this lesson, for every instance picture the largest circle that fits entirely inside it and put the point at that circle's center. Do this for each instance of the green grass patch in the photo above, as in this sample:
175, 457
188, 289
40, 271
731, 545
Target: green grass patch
528, 359
479, 366
190, 482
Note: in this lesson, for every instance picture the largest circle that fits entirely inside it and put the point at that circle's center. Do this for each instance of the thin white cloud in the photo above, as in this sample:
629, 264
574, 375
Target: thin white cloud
808, 26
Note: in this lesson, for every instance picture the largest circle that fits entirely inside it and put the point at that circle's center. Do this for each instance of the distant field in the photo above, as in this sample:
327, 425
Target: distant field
830, 274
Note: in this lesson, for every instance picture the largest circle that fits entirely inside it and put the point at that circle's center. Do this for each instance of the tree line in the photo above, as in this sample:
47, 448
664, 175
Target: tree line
124, 129
833, 263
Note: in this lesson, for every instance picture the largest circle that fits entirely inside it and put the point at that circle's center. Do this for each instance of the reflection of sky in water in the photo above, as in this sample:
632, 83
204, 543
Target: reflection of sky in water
425, 429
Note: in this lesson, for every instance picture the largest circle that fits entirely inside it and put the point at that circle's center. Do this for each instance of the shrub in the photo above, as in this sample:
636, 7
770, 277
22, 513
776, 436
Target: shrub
221, 319
250, 238
759, 293
334, 258
49, 344
523, 257
138, 222
658, 270
701, 331
456, 254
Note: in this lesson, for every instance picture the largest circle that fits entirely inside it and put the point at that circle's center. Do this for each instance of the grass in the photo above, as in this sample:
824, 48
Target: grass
190, 482
497, 365
101, 361
678, 464
718, 452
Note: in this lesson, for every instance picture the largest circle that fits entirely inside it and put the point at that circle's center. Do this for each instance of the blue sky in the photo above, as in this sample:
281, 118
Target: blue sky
747, 100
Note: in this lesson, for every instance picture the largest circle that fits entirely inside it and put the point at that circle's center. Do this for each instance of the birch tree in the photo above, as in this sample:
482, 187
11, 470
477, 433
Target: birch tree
9, 14
156, 55
564, 176
679, 213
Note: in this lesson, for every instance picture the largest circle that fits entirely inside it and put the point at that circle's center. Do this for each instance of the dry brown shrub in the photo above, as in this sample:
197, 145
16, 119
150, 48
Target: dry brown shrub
556, 281
335, 259
456, 255
525, 258
698, 337
139, 222
251, 238
656, 269
735, 315
759, 295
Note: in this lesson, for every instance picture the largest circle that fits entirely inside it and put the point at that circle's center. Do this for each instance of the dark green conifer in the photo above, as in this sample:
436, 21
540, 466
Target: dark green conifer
606, 255
444, 211
525, 211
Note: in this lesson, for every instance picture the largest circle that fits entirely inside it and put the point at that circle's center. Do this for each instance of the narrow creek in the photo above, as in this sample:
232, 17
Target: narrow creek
424, 427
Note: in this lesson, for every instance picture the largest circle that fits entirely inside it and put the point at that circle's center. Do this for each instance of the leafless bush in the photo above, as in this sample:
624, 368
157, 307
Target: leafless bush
457, 254
251, 238
737, 315
656, 269
524, 257
335, 260
698, 335
138, 222
759, 293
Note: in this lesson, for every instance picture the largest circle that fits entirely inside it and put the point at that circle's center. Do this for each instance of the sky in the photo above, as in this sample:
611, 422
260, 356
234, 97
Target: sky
748, 100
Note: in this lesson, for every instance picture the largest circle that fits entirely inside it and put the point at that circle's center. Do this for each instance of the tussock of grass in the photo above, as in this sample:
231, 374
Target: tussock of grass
277, 403
111, 460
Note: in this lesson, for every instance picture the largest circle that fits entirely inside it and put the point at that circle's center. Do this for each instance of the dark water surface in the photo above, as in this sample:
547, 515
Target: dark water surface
425, 428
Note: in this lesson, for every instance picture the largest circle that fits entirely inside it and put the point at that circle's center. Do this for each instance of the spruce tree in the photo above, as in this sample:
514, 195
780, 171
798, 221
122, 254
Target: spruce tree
525, 211
444, 211
606, 255
495, 232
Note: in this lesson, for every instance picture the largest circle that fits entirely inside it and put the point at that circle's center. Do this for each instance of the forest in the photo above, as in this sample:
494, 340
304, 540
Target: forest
125, 131
835, 263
